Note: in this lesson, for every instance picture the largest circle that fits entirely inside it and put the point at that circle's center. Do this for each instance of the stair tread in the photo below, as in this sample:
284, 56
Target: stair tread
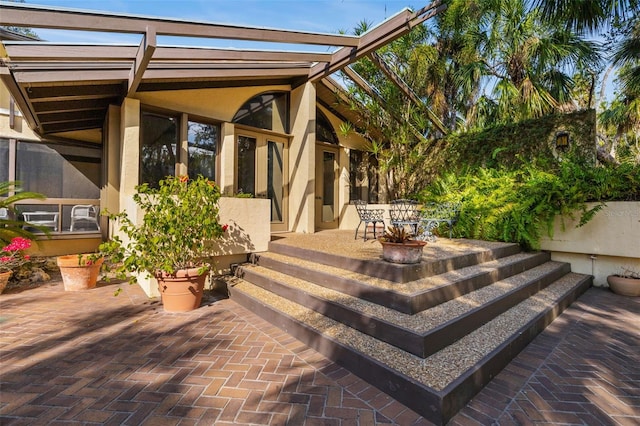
333, 243
424, 321
411, 287
441, 368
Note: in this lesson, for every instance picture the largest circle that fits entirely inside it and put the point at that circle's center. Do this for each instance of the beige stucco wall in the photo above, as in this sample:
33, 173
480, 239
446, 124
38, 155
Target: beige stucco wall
21, 129
609, 242
302, 157
218, 104
248, 232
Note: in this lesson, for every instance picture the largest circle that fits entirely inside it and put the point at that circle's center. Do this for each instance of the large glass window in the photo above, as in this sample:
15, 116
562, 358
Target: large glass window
247, 164
203, 140
324, 129
363, 177
158, 151
268, 111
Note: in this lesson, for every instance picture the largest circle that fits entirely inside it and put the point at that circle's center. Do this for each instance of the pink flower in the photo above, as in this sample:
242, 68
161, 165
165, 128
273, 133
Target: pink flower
5, 259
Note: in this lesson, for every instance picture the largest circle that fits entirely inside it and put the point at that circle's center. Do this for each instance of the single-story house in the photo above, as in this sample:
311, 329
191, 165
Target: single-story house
84, 123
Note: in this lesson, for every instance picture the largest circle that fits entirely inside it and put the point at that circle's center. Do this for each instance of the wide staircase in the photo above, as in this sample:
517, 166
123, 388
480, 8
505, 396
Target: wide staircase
430, 335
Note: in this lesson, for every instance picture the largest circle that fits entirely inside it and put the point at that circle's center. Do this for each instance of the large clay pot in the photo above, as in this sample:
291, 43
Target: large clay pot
181, 291
4, 279
624, 286
79, 271
405, 253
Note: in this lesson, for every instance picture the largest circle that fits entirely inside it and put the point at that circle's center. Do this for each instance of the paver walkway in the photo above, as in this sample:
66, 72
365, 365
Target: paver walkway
91, 358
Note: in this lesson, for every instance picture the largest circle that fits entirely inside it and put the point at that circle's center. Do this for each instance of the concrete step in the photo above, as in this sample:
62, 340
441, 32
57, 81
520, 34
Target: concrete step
421, 334
410, 297
364, 257
437, 386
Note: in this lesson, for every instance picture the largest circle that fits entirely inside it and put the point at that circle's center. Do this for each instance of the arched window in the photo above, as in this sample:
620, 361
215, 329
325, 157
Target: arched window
269, 111
324, 129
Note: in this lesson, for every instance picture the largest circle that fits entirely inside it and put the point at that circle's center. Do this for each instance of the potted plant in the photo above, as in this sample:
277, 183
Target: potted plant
626, 283
172, 242
79, 271
399, 247
12, 258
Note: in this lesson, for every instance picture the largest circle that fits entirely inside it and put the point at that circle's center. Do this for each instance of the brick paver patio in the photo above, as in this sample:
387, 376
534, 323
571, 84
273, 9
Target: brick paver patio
91, 358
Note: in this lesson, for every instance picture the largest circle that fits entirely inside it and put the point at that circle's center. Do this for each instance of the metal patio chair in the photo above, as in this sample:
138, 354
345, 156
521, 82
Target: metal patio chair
368, 216
86, 214
403, 213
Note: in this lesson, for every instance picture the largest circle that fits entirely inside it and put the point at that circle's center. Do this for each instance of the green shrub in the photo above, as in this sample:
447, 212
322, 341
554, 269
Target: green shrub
519, 205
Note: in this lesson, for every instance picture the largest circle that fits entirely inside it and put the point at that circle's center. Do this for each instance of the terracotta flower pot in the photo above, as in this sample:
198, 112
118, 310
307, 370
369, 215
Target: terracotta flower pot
181, 291
4, 279
79, 272
624, 286
404, 253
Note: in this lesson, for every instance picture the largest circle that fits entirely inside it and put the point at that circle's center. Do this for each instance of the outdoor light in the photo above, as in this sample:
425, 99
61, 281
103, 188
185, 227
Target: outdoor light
562, 140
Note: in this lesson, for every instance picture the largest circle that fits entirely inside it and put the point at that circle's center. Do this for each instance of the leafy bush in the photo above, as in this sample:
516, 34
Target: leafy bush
519, 205
180, 225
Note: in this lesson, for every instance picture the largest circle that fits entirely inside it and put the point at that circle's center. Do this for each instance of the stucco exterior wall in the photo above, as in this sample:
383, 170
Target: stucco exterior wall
609, 242
302, 157
249, 232
218, 104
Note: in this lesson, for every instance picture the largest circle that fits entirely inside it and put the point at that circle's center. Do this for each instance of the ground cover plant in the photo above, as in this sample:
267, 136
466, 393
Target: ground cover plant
519, 205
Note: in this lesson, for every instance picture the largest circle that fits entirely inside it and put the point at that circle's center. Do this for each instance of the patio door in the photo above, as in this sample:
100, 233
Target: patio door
261, 170
326, 200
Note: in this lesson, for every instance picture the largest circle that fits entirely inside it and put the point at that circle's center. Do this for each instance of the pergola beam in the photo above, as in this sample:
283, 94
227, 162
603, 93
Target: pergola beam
74, 52
404, 87
22, 15
385, 33
143, 57
362, 83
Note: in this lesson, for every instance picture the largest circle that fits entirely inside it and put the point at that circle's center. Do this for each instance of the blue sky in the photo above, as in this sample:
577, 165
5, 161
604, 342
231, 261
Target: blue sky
327, 16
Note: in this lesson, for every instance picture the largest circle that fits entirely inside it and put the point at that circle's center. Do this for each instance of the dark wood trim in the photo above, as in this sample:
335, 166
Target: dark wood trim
404, 87
19, 97
143, 57
22, 15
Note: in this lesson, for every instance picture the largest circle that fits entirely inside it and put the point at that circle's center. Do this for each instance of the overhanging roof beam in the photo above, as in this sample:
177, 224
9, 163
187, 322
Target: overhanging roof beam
404, 87
71, 52
143, 57
22, 15
385, 33
362, 83
19, 97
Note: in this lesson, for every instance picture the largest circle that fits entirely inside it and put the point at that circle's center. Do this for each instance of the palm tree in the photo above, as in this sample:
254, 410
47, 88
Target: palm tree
10, 227
525, 62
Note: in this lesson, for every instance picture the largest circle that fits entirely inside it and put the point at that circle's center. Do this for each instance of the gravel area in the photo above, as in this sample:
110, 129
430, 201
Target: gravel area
422, 322
441, 368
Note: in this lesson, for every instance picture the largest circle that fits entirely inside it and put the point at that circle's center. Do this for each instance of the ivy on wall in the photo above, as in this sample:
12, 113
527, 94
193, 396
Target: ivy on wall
512, 145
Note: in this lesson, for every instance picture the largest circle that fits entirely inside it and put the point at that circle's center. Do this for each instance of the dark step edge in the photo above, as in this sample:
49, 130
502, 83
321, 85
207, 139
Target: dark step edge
458, 393
456, 328
419, 344
436, 406
426, 401
401, 302
393, 334
395, 272
388, 298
